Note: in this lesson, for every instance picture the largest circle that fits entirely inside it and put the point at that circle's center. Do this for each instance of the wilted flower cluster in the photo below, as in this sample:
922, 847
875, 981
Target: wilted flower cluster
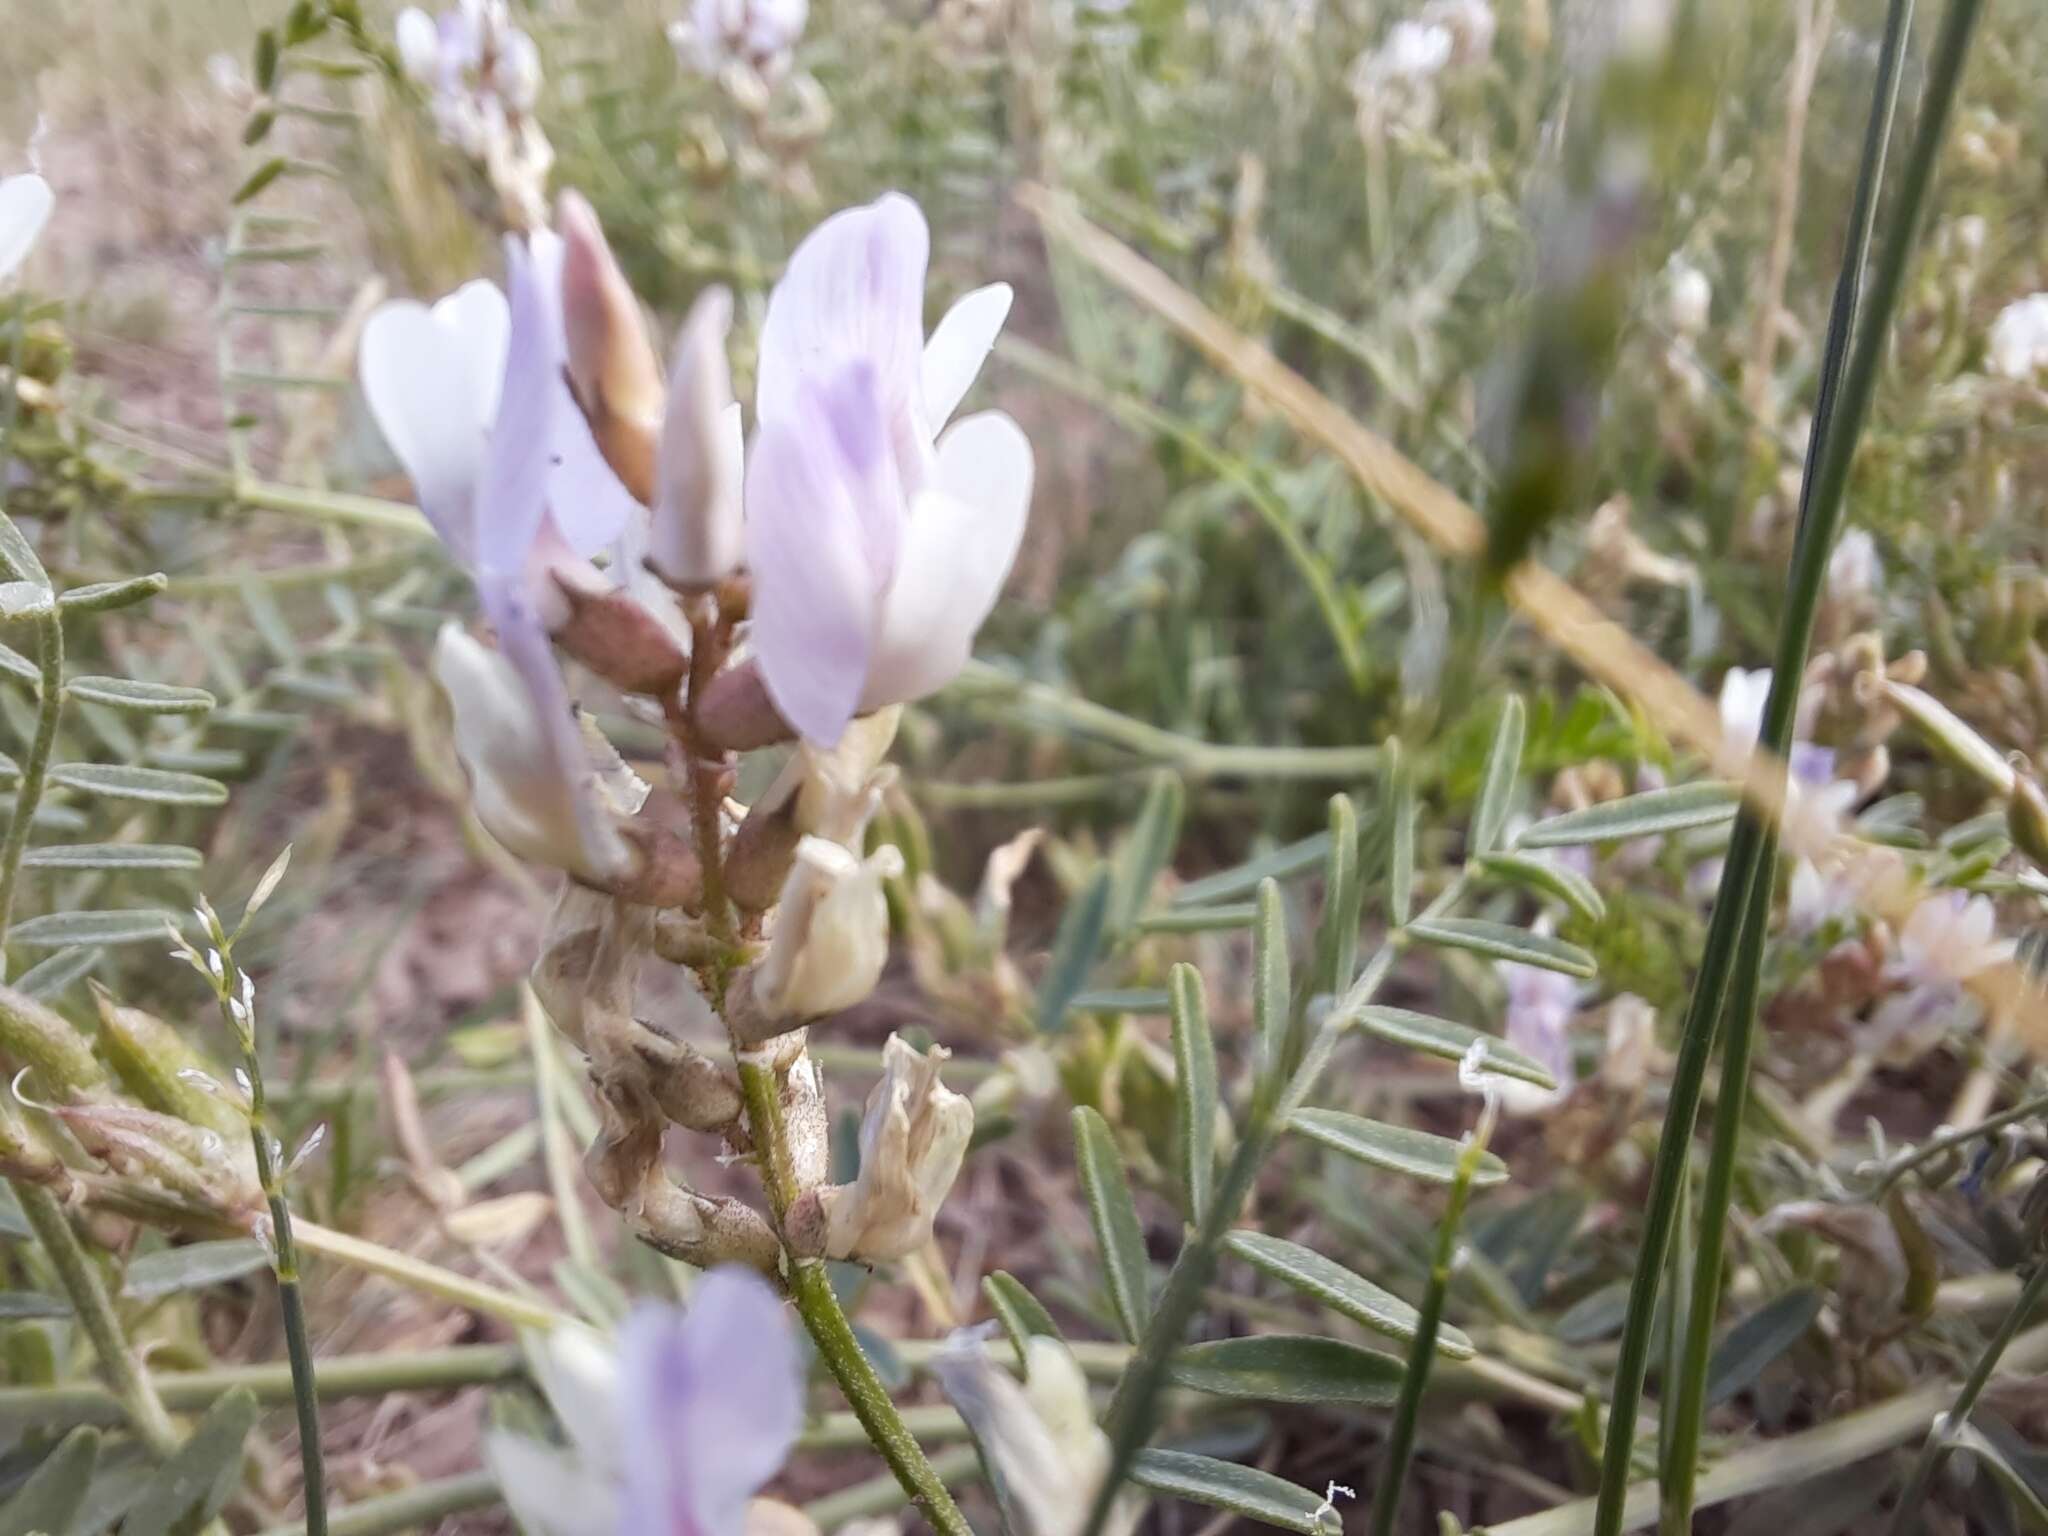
804, 586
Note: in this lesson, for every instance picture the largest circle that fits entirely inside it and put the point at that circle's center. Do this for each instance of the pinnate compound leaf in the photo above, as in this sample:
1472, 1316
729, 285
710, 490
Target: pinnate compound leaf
1115, 1216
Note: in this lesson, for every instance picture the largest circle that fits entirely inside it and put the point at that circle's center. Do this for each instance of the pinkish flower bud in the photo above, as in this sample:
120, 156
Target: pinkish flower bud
611, 364
695, 537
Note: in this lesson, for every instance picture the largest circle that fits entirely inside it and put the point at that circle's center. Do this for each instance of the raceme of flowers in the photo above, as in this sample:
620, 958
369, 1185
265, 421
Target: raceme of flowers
805, 584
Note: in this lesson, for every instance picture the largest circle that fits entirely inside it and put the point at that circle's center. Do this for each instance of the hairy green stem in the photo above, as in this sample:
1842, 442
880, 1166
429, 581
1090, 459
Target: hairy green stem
1906, 1516
126, 1379
28, 793
1386, 1499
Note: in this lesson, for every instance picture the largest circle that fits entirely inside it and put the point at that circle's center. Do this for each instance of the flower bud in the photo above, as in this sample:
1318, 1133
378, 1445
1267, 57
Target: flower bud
611, 364
695, 537
612, 633
35, 1035
1950, 736
913, 1136
523, 795
831, 935
737, 715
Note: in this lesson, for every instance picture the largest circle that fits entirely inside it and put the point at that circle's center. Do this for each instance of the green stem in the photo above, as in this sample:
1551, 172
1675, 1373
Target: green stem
422, 1507
126, 1378
372, 1375
1687, 1416
1935, 1451
810, 1287
28, 794
1897, 1168
1386, 1501
1746, 881
285, 1263
880, 1495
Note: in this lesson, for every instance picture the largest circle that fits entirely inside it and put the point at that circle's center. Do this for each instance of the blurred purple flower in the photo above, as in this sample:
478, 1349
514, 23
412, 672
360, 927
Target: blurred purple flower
470, 396
671, 1433
876, 551
1540, 1005
759, 33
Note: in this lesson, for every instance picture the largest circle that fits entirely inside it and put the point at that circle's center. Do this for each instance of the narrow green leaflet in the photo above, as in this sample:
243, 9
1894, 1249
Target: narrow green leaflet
49, 1501
20, 1306
1546, 879
1212, 919
1147, 849
1401, 848
1502, 941
113, 856
1194, 1060
1147, 1000
1244, 1491
1272, 985
122, 781
189, 1489
1243, 879
18, 555
1288, 1368
1656, 811
61, 930
1018, 1311
144, 698
1115, 1217
1452, 1042
1340, 1290
1497, 785
14, 664
105, 596
53, 973
192, 1267
1393, 1147
1075, 949
1343, 893
1752, 1344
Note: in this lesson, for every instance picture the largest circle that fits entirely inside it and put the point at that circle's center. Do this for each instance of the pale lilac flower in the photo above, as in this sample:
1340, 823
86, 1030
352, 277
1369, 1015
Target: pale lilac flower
1949, 938
25, 203
470, 396
482, 73
1045, 1454
760, 34
1853, 569
877, 543
1540, 1005
2018, 345
1395, 83
671, 1433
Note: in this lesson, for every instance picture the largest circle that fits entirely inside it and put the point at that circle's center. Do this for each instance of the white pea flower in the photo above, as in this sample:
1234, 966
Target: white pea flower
2017, 348
1853, 569
877, 541
1688, 297
1949, 938
913, 1135
831, 931
1045, 1454
760, 34
483, 74
25, 203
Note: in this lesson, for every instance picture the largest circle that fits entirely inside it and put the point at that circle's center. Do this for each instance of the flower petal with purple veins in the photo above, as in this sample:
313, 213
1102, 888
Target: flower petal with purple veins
854, 288
511, 498
813, 615
711, 1403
